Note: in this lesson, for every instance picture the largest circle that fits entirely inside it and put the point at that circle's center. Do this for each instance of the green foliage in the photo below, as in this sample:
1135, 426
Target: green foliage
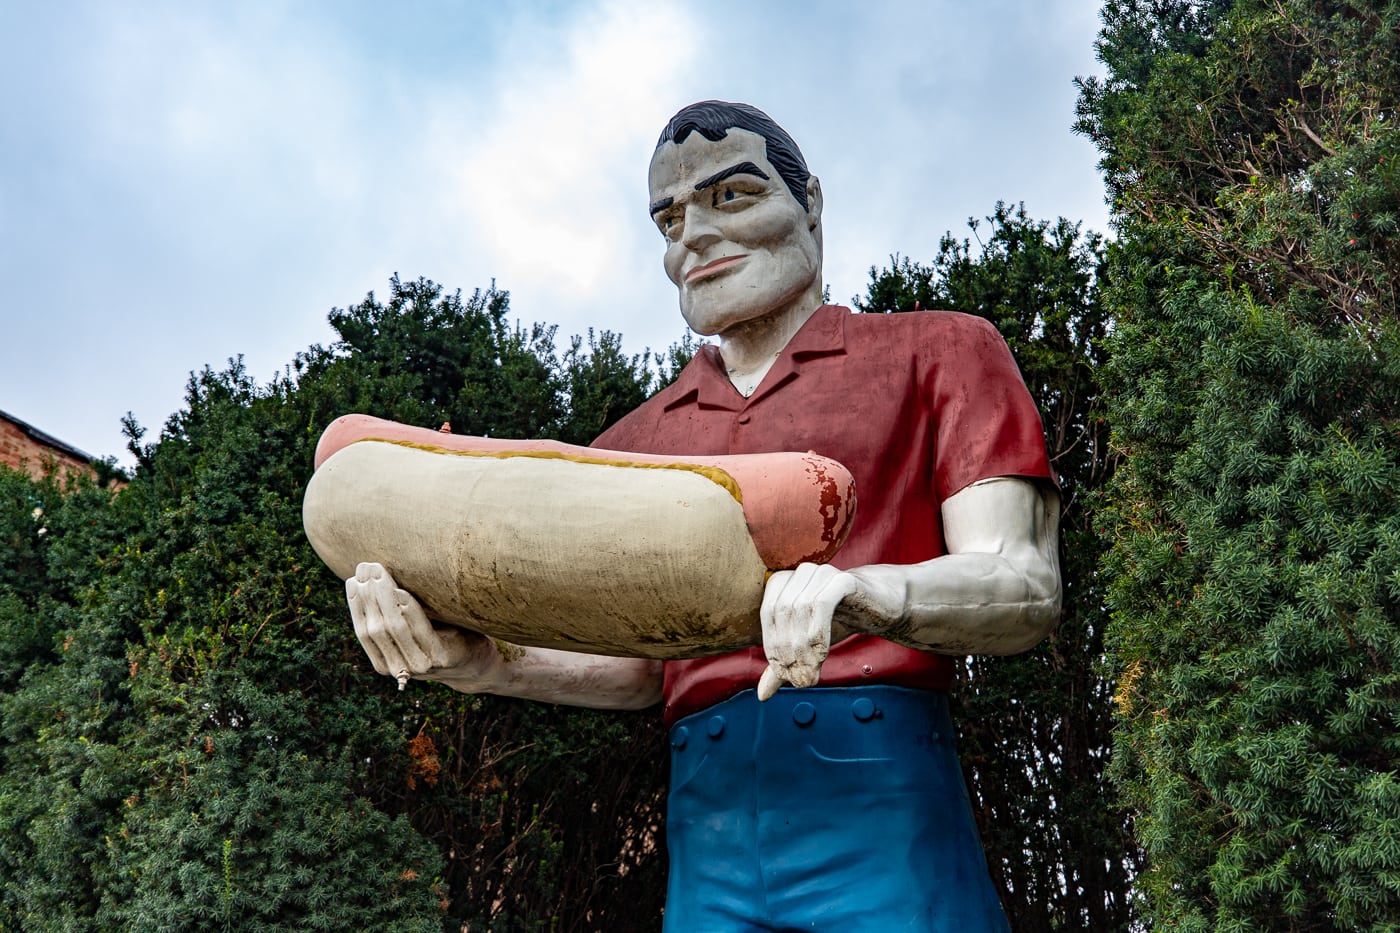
1034, 729
190, 737
1255, 376
26, 508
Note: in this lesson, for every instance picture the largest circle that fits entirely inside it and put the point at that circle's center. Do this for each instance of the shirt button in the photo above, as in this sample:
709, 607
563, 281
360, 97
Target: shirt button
804, 713
867, 670
743, 419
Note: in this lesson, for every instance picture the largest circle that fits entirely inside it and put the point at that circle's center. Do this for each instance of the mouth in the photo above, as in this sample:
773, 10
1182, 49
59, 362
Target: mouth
713, 268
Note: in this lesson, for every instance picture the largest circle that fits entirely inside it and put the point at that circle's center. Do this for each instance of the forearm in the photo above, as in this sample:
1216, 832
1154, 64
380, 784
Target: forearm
960, 604
566, 677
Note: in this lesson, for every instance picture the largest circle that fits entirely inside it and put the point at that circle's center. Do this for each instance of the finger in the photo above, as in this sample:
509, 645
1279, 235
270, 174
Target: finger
819, 612
398, 627
377, 621
772, 593
359, 616
778, 611
802, 629
769, 683
801, 674
787, 589
776, 617
380, 617
424, 633
786, 612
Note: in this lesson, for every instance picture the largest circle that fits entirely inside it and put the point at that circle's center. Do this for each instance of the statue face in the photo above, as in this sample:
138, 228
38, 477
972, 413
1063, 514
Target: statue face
738, 245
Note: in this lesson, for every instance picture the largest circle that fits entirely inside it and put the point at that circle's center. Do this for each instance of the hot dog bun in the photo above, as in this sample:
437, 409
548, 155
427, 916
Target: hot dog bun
547, 544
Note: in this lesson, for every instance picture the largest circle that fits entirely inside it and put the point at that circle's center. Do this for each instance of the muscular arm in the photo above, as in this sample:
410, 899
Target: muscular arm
997, 591
401, 641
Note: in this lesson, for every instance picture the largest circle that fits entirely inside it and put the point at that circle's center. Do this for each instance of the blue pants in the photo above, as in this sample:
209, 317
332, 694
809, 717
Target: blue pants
833, 808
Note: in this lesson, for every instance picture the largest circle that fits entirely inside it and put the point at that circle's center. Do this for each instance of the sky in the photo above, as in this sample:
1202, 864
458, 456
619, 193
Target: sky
186, 182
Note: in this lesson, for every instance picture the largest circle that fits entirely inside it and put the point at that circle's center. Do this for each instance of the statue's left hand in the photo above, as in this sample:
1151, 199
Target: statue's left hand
803, 607
798, 606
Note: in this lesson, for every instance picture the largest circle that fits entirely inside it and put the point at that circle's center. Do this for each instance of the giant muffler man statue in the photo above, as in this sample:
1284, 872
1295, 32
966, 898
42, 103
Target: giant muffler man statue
814, 783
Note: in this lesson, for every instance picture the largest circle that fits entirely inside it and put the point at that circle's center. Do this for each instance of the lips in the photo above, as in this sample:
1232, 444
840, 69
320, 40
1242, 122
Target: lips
713, 268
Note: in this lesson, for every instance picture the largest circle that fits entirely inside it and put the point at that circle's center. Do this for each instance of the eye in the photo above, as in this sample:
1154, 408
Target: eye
669, 225
733, 195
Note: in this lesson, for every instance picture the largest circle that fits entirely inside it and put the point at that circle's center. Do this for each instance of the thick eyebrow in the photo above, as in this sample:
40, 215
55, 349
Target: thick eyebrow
743, 168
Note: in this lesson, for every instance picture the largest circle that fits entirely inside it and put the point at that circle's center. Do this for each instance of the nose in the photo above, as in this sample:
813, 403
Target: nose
700, 230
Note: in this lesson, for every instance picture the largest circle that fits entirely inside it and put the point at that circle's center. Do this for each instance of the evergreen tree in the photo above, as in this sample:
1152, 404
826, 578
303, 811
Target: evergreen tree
191, 738
1034, 728
1250, 149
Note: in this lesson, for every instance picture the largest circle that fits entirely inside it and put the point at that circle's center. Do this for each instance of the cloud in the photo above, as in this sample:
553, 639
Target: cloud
247, 99
553, 188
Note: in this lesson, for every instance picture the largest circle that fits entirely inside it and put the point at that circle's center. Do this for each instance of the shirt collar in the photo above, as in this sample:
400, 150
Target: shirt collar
705, 382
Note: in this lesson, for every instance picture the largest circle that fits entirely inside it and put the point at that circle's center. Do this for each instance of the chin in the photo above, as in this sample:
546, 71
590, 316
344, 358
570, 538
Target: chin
707, 320
711, 325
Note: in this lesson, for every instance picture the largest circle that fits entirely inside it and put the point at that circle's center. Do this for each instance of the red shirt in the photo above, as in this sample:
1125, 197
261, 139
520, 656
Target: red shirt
917, 406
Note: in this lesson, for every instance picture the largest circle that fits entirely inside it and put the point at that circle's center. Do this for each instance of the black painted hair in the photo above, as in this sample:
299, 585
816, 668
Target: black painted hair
713, 119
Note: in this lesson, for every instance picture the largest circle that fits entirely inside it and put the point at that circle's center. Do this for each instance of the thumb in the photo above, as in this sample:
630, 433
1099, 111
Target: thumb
769, 683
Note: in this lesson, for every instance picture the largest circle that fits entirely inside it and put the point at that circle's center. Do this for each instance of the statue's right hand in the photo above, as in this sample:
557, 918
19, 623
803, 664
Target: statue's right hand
402, 642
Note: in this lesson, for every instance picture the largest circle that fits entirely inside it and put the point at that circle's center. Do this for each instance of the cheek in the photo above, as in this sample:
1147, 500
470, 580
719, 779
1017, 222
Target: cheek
768, 225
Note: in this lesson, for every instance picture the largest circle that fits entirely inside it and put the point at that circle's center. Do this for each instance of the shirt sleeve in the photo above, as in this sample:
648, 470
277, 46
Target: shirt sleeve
986, 423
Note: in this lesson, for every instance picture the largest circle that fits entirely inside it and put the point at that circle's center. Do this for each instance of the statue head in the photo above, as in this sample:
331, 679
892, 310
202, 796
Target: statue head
741, 215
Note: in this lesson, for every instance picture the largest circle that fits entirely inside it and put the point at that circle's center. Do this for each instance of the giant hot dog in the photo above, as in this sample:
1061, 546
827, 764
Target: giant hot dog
548, 544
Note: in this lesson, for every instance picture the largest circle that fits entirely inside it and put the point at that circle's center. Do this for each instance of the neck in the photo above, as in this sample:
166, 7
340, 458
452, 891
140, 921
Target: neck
749, 348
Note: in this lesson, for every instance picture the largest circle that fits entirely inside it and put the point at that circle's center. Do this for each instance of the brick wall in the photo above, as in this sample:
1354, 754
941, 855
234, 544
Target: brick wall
21, 450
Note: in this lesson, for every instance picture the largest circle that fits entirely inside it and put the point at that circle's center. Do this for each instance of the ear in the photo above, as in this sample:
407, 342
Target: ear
814, 203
